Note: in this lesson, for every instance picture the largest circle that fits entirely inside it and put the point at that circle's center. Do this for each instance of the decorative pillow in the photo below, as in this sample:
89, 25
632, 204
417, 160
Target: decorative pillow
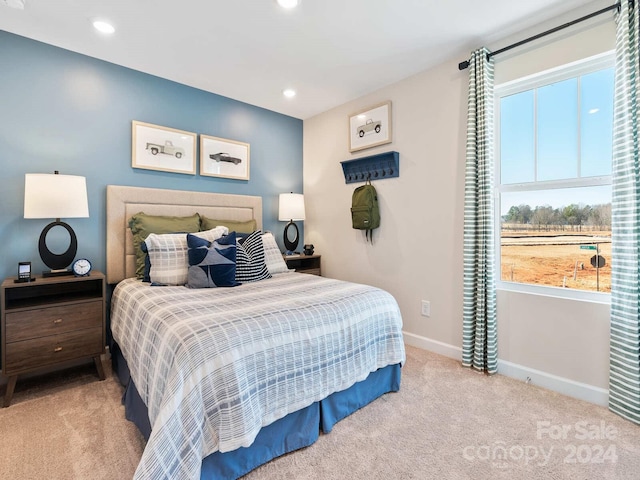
147, 263
142, 225
239, 227
168, 255
250, 264
273, 255
212, 264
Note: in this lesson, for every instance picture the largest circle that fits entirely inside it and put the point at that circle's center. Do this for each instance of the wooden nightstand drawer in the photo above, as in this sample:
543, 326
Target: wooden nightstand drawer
40, 322
28, 354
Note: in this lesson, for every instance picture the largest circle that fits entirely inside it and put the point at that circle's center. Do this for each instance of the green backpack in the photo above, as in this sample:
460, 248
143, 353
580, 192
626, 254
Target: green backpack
365, 214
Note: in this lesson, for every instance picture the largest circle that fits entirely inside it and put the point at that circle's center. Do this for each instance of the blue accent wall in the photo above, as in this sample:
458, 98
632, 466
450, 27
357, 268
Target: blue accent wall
64, 111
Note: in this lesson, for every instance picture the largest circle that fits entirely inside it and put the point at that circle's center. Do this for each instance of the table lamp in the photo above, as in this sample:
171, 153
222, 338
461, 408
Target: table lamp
55, 196
291, 208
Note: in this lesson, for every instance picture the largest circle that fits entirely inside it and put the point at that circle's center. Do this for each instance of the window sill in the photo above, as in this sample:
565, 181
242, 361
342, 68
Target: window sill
555, 292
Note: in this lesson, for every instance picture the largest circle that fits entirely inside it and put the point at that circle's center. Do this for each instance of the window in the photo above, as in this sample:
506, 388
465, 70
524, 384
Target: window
553, 177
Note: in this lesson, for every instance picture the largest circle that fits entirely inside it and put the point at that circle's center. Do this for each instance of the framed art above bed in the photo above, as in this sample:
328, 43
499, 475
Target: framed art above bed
224, 158
162, 148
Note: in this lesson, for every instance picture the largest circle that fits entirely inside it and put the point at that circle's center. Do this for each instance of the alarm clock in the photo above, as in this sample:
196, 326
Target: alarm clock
81, 267
308, 249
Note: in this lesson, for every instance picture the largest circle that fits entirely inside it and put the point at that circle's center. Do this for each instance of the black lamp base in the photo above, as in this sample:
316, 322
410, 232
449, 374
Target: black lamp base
57, 263
291, 245
56, 273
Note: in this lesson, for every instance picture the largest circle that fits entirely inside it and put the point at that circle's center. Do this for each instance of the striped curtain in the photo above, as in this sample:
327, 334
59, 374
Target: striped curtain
624, 373
479, 335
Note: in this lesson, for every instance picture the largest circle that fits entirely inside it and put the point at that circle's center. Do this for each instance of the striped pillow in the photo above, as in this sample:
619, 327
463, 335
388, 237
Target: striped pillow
250, 263
168, 255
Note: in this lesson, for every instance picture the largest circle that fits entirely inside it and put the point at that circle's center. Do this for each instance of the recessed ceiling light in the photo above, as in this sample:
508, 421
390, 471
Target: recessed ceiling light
103, 27
288, 3
19, 4
289, 93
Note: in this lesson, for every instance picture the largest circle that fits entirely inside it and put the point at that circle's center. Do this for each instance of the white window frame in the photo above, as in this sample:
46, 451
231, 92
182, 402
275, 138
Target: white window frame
558, 74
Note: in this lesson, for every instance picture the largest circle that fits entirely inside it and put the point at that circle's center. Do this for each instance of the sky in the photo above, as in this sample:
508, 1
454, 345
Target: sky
556, 132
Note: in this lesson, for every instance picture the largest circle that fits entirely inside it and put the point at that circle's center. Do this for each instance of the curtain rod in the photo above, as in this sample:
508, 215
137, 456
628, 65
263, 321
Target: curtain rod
465, 64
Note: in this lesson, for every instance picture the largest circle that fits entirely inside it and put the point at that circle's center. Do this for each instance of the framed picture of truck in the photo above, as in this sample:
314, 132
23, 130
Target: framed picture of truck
162, 148
224, 158
371, 127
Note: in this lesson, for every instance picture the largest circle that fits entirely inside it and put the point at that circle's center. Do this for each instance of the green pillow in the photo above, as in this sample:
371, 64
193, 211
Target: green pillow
240, 227
142, 225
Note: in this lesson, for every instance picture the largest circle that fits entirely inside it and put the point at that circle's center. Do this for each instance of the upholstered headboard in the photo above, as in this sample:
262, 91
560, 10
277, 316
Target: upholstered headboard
123, 202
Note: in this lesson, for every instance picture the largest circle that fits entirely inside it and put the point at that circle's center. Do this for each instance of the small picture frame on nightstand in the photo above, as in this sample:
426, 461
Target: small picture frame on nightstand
24, 273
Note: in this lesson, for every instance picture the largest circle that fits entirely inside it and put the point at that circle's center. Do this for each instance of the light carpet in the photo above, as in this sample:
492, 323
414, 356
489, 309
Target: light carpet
446, 422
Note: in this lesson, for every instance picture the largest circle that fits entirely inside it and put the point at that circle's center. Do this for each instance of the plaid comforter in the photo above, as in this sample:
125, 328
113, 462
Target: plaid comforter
216, 365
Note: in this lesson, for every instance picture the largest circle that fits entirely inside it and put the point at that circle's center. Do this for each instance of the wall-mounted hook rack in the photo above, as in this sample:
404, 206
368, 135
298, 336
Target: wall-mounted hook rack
374, 167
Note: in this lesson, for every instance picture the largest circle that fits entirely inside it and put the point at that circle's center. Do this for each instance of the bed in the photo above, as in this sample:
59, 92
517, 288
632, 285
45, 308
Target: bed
222, 380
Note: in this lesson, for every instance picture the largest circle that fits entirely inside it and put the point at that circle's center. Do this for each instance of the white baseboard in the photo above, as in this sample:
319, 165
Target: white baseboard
435, 346
565, 386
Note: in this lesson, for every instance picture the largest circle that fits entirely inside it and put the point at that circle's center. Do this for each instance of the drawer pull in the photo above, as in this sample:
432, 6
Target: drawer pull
57, 349
57, 320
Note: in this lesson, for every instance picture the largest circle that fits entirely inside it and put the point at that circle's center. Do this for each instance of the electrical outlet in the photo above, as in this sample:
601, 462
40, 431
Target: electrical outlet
426, 308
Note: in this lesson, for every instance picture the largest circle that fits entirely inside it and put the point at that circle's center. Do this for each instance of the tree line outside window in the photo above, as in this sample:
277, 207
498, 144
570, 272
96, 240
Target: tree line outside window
574, 217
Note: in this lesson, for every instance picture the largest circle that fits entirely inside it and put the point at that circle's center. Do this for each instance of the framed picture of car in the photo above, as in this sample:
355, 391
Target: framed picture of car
370, 127
162, 148
224, 158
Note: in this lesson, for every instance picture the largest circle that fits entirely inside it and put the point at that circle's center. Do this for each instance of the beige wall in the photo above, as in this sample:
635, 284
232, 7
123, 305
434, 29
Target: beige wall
417, 251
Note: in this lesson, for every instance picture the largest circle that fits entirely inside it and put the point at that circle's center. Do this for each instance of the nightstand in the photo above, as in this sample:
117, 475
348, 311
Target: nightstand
304, 263
51, 321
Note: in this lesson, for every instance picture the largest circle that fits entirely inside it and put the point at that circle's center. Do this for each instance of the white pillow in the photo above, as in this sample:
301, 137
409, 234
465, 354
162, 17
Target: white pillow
168, 255
273, 255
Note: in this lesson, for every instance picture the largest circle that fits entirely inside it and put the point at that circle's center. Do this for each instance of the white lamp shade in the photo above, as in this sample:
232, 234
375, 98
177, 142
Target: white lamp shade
291, 207
55, 196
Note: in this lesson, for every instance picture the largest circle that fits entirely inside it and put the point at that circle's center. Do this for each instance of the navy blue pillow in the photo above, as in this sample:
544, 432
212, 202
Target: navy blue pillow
147, 263
212, 264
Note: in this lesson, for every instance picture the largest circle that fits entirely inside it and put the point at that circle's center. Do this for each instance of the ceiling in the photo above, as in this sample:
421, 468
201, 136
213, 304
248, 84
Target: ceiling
329, 51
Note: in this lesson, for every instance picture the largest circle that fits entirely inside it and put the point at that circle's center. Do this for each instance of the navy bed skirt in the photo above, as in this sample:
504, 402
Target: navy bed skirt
296, 430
